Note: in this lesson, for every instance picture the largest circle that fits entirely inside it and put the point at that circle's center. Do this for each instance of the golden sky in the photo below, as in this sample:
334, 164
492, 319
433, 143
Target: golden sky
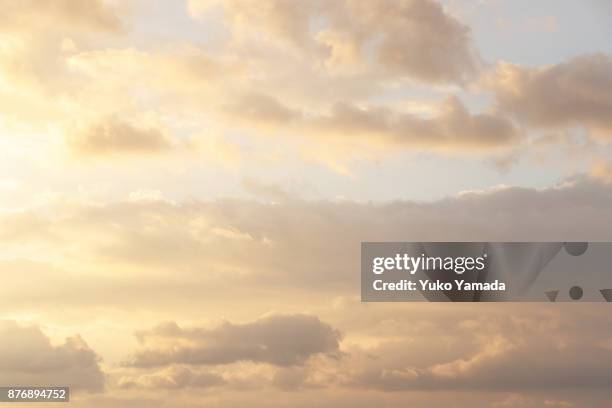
184, 186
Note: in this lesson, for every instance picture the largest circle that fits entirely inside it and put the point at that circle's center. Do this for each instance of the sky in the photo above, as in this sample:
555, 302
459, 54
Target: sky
184, 186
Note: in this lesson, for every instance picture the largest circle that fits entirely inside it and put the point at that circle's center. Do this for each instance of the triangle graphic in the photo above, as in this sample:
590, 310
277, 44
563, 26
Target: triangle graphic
552, 295
607, 294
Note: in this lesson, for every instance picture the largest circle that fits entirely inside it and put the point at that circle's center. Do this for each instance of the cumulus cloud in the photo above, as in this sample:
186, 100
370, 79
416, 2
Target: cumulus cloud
283, 340
114, 136
576, 92
28, 358
414, 39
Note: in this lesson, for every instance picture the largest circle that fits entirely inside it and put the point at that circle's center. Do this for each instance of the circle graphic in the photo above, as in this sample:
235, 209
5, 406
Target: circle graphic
576, 293
576, 248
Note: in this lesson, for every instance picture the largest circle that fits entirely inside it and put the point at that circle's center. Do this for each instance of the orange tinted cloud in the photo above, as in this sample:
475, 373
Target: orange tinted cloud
577, 92
82, 14
415, 39
114, 136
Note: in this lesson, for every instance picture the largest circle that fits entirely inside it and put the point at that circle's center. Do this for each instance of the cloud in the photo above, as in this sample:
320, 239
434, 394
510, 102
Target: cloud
28, 358
602, 171
283, 340
284, 250
402, 39
293, 379
454, 129
218, 88
576, 92
330, 80
37, 87
257, 108
174, 377
266, 191
114, 136
93, 15
547, 354
535, 349
184, 68
521, 401
156, 246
